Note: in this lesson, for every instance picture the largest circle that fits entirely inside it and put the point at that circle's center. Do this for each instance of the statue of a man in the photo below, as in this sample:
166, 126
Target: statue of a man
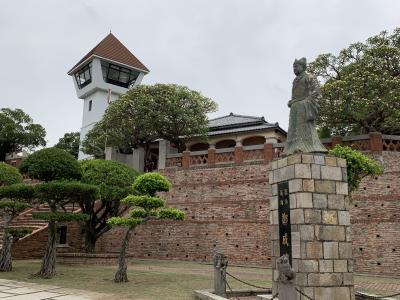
302, 134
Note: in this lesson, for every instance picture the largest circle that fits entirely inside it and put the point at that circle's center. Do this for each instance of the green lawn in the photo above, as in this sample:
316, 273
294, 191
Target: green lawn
149, 279
153, 279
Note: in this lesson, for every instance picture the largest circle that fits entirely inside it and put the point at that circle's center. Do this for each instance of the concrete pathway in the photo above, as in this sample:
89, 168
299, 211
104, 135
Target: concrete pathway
10, 289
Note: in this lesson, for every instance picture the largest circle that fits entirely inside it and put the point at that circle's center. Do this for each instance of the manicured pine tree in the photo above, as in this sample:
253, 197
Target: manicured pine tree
146, 205
114, 180
14, 198
57, 168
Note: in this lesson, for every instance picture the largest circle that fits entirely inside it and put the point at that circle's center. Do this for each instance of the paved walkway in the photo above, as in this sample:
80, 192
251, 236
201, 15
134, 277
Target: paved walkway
10, 289
379, 286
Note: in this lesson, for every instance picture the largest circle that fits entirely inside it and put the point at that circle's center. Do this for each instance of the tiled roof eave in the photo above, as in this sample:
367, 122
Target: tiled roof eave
245, 130
112, 49
72, 71
238, 125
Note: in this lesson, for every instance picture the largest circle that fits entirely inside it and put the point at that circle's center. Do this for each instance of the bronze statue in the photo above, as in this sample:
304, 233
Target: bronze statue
302, 134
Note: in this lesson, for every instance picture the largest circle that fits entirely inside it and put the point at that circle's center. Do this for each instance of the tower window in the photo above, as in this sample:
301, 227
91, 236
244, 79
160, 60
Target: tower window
118, 75
90, 105
84, 76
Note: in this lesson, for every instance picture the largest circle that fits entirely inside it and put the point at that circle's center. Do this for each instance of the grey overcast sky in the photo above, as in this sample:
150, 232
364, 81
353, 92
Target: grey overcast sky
239, 53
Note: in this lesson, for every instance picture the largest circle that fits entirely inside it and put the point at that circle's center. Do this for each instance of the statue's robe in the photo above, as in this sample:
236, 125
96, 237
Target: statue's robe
302, 134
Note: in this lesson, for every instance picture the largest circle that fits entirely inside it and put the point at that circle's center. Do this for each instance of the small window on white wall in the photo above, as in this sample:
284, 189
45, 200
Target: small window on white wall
90, 105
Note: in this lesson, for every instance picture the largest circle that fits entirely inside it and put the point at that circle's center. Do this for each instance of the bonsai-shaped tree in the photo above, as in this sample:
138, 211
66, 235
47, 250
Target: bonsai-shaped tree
14, 198
57, 168
115, 183
358, 165
146, 205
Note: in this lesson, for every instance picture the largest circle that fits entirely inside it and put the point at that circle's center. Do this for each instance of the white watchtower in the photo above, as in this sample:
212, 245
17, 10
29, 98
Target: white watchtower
107, 71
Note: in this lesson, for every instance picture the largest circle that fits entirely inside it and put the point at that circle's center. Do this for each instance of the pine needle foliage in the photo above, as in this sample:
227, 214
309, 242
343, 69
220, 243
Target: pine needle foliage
146, 205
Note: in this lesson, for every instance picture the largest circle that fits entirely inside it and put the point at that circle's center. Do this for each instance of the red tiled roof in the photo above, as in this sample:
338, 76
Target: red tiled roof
111, 48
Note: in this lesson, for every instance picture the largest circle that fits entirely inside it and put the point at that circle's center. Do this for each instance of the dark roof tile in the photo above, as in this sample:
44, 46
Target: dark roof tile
233, 120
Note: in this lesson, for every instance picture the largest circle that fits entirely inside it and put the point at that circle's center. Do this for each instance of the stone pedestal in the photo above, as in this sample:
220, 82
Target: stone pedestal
316, 232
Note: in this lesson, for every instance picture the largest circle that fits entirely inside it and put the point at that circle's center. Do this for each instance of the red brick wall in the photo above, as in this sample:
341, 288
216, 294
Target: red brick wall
34, 245
31, 246
227, 209
234, 201
376, 221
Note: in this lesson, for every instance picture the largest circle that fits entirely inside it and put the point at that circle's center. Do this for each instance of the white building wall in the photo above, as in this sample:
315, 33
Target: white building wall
97, 92
90, 118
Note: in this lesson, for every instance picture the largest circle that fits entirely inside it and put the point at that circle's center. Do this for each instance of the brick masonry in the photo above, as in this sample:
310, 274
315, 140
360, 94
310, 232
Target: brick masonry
234, 200
227, 209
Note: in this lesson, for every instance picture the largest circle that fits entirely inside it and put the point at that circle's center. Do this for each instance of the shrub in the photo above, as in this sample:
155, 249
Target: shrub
9, 174
150, 183
358, 165
19, 233
51, 164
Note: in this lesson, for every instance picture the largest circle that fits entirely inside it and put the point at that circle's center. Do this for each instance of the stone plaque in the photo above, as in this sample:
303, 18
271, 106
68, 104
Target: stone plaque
285, 234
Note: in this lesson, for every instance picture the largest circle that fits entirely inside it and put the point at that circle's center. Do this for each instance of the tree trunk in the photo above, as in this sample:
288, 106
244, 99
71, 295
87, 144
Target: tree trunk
48, 268
90, 240
5, 256
121, 275
2, 155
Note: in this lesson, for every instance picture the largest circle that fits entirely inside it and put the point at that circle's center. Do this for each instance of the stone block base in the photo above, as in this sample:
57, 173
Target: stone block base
319, 224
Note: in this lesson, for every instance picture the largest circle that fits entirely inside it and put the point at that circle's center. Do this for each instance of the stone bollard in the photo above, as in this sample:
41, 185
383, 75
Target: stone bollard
220, 264
310, 223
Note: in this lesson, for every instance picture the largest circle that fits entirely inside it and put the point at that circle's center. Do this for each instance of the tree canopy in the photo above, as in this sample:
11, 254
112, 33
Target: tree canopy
51, 164
70, 143
18, 132
148, 112
9, 174
114, 181
361, 87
